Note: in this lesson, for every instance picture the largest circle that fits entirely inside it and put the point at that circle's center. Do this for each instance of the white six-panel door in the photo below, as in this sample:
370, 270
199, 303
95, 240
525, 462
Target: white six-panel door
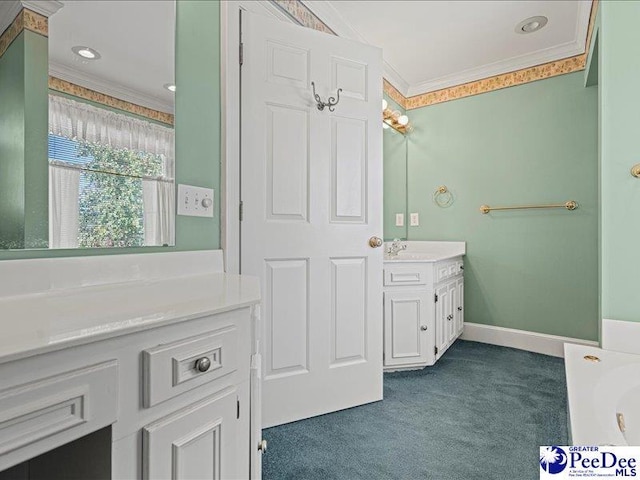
312, 198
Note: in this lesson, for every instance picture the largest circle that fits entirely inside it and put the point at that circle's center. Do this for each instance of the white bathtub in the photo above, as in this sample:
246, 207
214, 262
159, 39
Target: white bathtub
603, 396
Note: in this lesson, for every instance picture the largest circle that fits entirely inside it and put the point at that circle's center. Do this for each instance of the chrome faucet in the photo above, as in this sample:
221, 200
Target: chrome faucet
395, 247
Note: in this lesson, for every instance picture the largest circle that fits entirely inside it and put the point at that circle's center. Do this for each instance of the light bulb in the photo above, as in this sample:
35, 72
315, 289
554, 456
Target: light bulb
395, 115
384, 104
403, 120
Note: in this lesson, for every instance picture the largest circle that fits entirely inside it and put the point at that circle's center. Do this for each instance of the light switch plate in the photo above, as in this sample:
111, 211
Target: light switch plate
399, 219
195, 201
415, 219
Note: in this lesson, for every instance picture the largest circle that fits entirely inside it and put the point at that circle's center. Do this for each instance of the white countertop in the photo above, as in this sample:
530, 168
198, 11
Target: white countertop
426, 252
36, 323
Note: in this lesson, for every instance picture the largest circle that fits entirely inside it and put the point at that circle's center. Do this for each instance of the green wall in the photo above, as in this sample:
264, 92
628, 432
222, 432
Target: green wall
197, 130
12, 145
395, 179
619, 75
531, 144
23, 110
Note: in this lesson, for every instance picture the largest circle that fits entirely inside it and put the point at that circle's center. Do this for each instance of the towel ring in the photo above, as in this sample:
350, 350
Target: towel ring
443, 197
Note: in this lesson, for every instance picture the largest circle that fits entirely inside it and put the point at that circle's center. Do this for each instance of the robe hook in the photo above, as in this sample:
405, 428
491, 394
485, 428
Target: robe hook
331, 101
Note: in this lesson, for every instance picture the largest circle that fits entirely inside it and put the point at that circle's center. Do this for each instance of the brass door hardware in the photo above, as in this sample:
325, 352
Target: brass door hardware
570, 205
635, 170
375, 242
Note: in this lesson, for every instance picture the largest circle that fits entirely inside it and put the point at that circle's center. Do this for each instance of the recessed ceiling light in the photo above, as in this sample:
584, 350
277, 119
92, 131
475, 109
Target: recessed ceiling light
86, 52
170, 86
531, 24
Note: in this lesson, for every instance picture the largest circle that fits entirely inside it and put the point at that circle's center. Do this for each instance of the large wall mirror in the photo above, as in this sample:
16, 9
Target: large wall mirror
107, 164
395, 184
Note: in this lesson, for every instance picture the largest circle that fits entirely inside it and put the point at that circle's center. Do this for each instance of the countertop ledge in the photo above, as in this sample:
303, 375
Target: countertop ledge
426, 252
43, 322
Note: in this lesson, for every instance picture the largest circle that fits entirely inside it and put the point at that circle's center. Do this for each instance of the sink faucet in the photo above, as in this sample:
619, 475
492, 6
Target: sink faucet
395, 247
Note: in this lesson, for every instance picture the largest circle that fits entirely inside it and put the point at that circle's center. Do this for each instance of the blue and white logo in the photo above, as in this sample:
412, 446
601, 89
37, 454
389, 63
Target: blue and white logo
553, 459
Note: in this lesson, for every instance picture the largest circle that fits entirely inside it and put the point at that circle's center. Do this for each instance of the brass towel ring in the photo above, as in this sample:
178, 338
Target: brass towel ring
443, 197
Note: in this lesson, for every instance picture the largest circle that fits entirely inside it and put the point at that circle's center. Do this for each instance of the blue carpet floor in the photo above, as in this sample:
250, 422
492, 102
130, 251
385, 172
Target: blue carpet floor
480, 413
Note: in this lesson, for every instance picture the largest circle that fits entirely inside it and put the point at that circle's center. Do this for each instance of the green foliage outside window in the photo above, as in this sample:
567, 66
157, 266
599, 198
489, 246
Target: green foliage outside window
111, 204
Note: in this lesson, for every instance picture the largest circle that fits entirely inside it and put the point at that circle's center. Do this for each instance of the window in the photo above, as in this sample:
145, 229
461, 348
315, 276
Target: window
103, 193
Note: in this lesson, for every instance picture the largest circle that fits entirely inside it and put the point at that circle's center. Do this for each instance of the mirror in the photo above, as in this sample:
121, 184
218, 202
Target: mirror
107, 179
395, 183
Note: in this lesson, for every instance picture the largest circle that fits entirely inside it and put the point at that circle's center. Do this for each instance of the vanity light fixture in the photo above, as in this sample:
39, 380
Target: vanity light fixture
395, 119
531, 24
86, 53
170, 86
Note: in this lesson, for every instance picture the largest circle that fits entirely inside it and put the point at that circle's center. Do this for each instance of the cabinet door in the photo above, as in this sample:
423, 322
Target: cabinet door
409, 334
197, 442
442, 324
452, 329
459, 310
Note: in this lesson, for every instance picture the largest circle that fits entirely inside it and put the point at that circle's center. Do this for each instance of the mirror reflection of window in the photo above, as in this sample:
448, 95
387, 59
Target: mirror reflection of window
111, 178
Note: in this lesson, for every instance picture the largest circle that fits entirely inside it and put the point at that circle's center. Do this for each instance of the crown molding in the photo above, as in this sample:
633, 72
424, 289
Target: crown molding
513, 64
117, 91
8, 13
327, 13
43, 7
9, 9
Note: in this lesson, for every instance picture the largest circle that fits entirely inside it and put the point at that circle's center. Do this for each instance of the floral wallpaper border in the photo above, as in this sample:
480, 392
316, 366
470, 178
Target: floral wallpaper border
306, 17
35, 22
26, 19
69, 88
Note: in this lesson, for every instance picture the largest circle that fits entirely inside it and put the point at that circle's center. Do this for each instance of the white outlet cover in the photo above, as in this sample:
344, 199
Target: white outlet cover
399, 219
415, 219
190, 201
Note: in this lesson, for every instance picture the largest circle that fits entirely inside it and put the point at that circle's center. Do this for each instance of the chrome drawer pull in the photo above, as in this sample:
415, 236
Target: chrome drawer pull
203, 364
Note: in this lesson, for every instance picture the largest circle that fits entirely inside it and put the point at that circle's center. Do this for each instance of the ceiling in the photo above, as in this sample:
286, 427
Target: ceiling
135, 39
430, 45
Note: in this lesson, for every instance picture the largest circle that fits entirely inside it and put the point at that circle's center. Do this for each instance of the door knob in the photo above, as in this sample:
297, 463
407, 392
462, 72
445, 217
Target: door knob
375, 242
423, 328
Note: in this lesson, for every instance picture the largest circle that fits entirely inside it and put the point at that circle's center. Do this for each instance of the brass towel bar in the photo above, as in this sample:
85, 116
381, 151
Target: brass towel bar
570, 205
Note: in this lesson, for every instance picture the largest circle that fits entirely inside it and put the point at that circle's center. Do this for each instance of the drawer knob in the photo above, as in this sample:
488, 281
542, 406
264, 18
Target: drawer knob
423, 328
203, 364
262, 446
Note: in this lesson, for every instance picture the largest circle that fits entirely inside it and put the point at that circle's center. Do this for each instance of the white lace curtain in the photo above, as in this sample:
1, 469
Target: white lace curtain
80, 121
76, 120
64, 187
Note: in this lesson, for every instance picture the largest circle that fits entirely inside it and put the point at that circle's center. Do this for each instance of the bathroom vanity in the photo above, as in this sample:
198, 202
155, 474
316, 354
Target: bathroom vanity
423, 303
159, 352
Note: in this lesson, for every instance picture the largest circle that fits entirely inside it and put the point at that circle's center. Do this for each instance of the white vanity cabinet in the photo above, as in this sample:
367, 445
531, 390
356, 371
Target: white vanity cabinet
169, 366
423, 309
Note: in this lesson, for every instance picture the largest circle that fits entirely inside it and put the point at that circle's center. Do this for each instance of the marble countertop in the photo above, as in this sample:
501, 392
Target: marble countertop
42, 322
426, 252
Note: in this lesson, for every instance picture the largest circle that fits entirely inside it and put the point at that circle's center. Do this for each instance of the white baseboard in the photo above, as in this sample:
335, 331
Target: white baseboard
621, 336
531, 341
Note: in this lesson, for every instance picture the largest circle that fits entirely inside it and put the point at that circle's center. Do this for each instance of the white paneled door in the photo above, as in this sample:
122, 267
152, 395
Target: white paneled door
312, 199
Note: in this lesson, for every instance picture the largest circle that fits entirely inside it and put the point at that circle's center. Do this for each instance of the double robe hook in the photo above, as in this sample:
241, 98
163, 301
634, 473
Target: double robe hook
331, 101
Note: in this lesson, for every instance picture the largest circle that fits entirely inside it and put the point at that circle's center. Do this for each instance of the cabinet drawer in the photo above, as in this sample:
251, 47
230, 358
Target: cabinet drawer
412, 274
39, 416
447, 269
174, 368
